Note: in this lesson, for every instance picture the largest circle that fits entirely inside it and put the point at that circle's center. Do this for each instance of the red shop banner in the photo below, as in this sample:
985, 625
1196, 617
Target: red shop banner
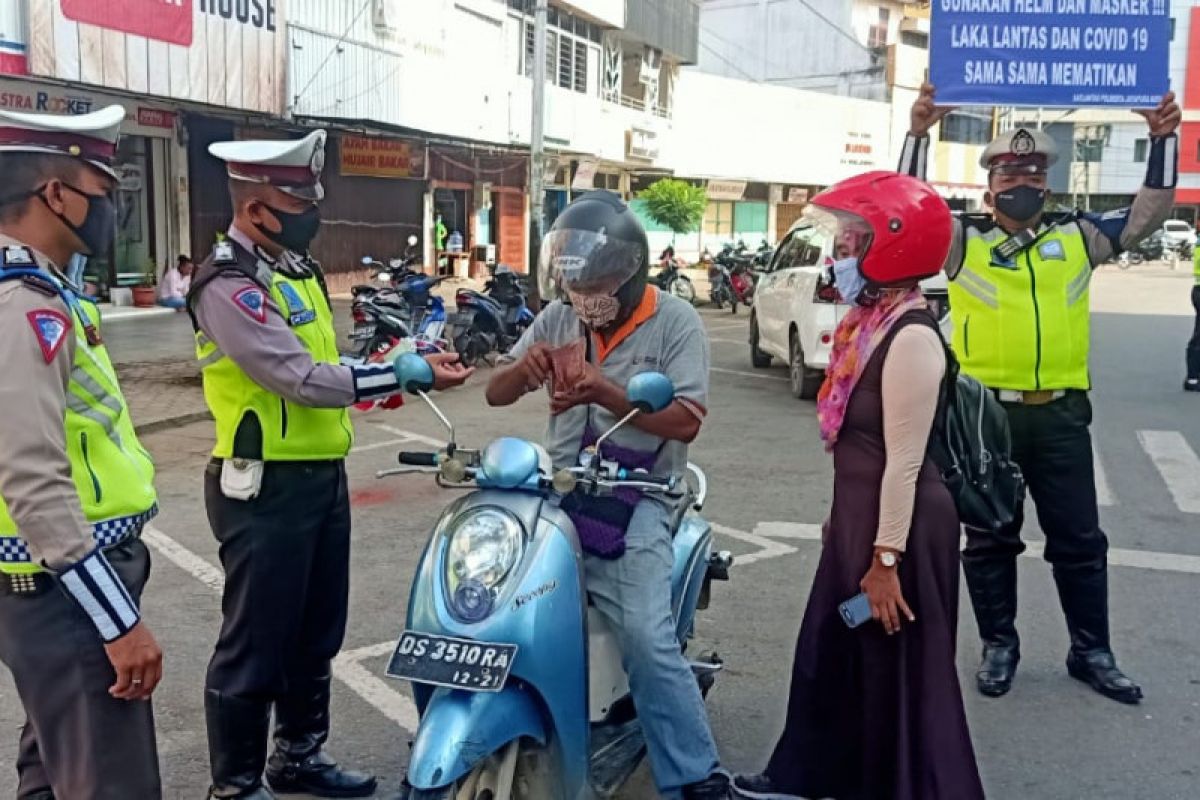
162, 20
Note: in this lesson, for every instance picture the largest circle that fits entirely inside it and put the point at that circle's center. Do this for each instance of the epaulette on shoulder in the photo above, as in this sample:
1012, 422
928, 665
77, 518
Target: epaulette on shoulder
224, 253
40, 285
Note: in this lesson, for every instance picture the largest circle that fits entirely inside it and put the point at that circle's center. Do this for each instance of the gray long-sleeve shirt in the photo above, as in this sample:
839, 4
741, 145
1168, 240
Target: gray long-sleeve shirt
264, 345
35, 472
1105, 235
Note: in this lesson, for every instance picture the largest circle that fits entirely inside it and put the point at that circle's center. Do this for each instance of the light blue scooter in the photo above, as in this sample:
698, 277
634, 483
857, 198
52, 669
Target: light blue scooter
518, 682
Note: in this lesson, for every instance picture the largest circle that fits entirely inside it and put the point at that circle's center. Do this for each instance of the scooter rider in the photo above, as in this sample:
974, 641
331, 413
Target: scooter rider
1019, 283
610, 327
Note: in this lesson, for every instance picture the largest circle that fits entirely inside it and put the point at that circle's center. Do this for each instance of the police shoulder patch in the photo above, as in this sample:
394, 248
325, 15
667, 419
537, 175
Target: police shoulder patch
251, 300
50, 327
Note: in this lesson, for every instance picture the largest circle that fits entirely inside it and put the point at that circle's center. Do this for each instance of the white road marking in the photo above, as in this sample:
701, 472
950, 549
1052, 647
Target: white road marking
1104, 494
413, 437
728, 326
729, 341
1178, 465
394, 705
346, 667
765, 532
362, 448
767, 548
759, 375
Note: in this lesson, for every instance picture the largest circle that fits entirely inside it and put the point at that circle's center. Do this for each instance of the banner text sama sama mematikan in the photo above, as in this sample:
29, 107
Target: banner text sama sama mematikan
1078, 51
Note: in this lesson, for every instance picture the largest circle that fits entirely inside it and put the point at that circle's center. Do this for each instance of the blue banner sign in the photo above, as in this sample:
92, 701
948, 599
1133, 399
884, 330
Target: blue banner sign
1055, 53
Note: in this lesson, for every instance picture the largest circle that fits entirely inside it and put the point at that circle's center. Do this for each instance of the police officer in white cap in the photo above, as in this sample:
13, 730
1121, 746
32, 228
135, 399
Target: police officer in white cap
76, 487
276, 488
1019, 282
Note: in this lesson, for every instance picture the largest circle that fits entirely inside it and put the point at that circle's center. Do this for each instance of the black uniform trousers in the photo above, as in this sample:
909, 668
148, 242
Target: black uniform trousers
286, 555
78, 742
1053, 446
1193, 348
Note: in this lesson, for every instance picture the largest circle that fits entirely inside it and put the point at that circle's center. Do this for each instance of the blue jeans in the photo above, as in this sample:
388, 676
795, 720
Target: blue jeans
634, 593
172, 302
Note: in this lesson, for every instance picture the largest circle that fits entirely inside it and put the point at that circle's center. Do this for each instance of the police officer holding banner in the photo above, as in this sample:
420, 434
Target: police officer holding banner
1019, 281
76, 487
276, 489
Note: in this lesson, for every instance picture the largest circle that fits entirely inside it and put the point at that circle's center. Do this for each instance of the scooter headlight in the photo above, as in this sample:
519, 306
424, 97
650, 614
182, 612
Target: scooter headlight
484, 546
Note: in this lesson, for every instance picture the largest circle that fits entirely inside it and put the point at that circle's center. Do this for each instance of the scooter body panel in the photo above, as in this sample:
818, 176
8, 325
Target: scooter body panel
692, 546
542, 610
458, 729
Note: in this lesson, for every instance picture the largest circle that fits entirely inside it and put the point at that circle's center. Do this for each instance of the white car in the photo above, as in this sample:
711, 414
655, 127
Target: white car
796, 309
1178, 231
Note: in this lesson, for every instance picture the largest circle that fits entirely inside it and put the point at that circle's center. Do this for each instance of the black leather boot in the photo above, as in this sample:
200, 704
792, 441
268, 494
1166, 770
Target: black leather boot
992, 584
714, 787
1083, 592
298, 763
237, 746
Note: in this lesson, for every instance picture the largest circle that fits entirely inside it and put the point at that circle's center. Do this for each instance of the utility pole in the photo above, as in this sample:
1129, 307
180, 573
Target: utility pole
537, 175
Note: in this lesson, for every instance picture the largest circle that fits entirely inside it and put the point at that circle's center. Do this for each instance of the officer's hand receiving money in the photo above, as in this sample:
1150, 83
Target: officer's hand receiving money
448, 370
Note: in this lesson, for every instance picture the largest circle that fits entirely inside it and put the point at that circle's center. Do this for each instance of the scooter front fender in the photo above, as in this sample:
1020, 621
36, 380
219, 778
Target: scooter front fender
459, 729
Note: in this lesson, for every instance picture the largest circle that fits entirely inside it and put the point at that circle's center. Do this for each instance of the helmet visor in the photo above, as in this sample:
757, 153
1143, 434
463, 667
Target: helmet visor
850, 234
585, 262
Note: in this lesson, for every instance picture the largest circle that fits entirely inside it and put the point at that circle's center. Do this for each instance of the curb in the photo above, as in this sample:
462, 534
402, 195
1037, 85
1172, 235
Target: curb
171, 422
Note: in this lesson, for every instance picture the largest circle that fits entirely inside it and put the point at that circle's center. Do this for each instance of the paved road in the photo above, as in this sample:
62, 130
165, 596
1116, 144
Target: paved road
1051, 739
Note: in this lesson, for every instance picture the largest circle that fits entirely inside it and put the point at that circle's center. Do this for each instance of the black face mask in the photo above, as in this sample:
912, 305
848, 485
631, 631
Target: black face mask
1021, 203
99, 223
296, 231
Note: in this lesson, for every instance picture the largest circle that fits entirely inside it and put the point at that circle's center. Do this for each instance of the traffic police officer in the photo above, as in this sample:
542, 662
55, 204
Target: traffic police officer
276, 488
1192, 382
76, 487
1019, 300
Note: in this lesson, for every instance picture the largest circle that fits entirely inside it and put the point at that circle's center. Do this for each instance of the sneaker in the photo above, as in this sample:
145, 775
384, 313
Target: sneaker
1191, 385
759, 787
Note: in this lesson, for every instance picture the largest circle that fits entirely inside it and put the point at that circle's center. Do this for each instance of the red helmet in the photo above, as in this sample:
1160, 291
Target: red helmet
897, 226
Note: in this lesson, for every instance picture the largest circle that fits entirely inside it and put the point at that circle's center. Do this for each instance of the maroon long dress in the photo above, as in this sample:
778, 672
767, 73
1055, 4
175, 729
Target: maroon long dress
872, 716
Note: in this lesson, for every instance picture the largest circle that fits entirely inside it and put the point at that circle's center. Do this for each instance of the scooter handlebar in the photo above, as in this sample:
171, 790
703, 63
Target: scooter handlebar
413, 459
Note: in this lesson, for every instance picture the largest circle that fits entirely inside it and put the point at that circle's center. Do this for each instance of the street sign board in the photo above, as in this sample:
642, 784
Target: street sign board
1054, 53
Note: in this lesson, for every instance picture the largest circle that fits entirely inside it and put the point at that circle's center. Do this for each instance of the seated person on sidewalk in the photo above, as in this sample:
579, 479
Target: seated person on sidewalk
175, 284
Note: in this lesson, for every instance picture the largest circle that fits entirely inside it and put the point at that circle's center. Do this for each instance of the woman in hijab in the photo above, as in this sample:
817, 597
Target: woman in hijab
876, 712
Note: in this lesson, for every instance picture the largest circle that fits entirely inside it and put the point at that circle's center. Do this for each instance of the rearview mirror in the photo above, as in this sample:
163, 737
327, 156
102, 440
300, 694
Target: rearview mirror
650, 392
413, 373
367, 261
412, 241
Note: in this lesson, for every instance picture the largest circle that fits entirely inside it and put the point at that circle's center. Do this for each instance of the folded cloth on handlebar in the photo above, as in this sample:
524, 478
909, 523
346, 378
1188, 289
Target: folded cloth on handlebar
601, 522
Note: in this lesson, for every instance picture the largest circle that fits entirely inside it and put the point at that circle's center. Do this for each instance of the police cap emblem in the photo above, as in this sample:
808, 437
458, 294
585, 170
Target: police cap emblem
1022, 143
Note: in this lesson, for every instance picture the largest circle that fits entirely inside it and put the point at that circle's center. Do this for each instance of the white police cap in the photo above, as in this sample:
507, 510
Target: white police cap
290, 165
91, 137
1020, 145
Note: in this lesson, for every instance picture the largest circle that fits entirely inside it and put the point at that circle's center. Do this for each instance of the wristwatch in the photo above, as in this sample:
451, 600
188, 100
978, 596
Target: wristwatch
888, 559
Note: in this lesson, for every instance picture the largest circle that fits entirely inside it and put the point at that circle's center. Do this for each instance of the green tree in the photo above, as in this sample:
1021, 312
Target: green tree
675, 204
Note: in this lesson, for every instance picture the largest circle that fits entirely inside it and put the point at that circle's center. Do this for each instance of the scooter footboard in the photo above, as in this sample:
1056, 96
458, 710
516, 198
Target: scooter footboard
459, 729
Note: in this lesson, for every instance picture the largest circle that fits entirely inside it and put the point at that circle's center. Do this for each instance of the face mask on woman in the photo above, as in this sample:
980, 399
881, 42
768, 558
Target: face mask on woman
848, 280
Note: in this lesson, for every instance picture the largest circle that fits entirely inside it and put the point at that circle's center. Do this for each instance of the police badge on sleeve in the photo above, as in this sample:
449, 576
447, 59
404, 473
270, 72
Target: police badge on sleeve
50, 327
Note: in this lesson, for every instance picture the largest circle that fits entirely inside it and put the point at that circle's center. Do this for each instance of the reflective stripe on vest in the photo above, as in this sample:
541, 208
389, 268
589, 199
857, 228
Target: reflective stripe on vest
113, 473
1196, 263
291, 432
1024, 326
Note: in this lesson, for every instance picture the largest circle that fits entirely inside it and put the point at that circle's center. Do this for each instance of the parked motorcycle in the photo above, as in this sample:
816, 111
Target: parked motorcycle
517, 680
383, 315
490, 321
671, 279
731, 277
393, 273
1152, 248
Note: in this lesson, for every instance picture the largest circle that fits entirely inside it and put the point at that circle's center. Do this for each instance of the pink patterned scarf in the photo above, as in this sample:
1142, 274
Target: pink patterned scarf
854, 341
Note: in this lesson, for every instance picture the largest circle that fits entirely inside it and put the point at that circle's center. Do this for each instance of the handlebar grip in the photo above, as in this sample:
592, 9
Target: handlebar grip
419, 459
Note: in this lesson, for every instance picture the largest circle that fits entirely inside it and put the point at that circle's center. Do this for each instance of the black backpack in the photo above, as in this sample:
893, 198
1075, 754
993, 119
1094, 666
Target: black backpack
972, 448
